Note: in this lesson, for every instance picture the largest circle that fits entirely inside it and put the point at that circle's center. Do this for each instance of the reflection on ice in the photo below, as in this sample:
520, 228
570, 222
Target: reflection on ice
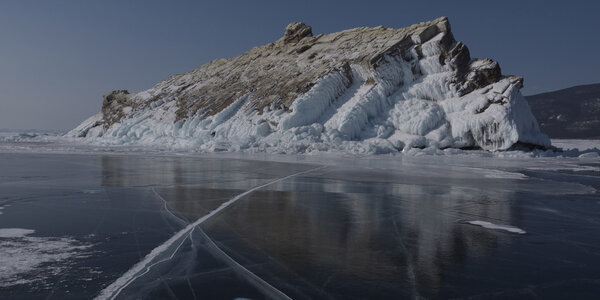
127, 171
400, 236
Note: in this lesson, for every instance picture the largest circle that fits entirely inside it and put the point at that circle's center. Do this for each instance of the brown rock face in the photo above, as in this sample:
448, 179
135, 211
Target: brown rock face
118, 96
276, 73
112, 106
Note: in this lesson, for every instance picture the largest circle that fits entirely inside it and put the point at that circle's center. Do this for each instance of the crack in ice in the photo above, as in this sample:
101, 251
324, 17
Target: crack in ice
255, 280
113, 290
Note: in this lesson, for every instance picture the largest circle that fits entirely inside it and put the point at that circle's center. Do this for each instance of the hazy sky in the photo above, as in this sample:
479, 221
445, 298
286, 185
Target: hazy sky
57, 58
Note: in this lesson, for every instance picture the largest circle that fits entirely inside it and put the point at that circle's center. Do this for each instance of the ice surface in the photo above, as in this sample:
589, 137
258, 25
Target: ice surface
395, 220
58, 241
489, 225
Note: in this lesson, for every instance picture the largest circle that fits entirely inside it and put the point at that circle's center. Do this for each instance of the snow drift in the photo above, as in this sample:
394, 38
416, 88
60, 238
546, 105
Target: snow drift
365, 90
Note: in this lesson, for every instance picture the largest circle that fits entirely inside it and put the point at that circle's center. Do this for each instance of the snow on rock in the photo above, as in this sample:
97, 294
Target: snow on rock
363, 90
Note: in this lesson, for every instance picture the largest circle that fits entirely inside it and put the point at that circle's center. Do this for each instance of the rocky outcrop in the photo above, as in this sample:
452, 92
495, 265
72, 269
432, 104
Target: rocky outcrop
296, 31
360, 90
114, 107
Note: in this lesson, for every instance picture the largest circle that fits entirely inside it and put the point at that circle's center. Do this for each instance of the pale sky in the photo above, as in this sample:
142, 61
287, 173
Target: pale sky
57, 58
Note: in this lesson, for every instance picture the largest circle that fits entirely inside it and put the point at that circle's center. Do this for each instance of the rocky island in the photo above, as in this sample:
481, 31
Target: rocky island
363, 90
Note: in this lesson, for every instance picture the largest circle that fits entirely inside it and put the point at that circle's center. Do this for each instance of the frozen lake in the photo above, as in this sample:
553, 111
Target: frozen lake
265, 226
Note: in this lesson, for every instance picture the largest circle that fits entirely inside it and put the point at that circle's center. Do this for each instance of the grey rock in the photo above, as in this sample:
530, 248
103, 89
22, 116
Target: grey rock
296, 31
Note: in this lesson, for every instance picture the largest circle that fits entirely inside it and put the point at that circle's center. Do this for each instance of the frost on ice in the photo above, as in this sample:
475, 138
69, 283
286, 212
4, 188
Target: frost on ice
364, 90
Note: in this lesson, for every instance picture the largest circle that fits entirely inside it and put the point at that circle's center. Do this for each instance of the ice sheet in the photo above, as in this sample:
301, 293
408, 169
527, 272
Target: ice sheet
385, 216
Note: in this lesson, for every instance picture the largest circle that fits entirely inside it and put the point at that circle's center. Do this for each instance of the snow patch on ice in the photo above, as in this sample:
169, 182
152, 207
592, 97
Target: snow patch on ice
32, 260
91, 191
499, 174
567, 167
589, 155
489, 225
15, 232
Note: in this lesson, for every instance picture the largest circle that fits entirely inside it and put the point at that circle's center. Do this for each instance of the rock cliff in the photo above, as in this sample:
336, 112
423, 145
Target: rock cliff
365, 90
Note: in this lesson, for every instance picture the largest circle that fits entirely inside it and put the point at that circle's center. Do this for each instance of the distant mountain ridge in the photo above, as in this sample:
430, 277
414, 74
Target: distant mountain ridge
571, 113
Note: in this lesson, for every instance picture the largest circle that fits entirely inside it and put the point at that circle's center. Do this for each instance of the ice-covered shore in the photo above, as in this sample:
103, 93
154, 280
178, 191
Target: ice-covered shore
52, 143
364, 90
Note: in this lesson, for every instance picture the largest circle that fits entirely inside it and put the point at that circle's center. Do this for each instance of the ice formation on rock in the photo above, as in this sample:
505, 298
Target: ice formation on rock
363, 90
